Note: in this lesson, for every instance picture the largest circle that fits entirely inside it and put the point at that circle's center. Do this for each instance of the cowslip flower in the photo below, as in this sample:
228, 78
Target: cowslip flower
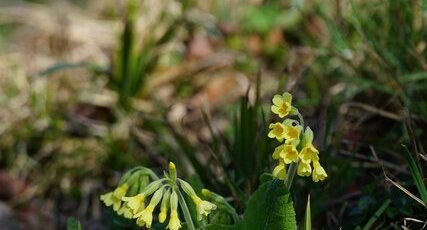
280, 171
304, 169
114, 198
297, 146
277, 151
135, 203
174, 222
146, 215
289, 154
282, 104
319, 172
125, 211
164, 206
203, 207
277, 131
292, 131
308, 152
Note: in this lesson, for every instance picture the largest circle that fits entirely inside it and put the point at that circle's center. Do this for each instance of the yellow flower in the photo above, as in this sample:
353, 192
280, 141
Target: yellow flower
140, 222
277, 131
174, 223
292, 131
280, 171
135, 203
146, 215
309, 152
304, 169
277, 151
164, 206
162, 216
203, 207
318, 173
289, 154
282, 104
125, 211
114, 198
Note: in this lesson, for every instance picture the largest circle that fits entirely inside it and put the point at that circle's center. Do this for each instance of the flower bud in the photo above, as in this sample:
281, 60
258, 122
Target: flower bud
172, 171
164, 206
174, 201
152, 187
187, 188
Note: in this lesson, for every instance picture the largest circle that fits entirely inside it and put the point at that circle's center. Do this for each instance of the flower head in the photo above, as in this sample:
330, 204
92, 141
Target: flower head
114, 198
319, 173
277, 131
174, 223
282, 104
309, 152
289, 154
203, 207
304, 169
135, 203
125, 211
164, 206
146, 215
277, 151
140, 222
292, 131
280, 171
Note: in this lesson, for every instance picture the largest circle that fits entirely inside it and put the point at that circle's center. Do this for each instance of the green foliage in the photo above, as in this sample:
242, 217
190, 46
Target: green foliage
376, 215
266, 17
270, 207
217, 227
307, 217
416, 174
134, 62
249, 150
366, 52
73, 224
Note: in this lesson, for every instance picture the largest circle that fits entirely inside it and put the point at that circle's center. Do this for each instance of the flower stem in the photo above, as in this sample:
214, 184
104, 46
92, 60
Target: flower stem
301, 120
184, 208
290, 177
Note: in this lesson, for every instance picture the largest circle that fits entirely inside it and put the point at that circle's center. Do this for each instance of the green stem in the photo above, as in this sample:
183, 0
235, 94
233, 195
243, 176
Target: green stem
301, 120
290, 176
184, 208
233, 213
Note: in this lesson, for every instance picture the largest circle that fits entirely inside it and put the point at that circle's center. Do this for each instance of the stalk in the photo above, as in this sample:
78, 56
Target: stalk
184, 208
290, 176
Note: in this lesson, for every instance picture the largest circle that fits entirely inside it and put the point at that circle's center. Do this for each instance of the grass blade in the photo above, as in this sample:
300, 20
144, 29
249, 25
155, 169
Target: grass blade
376, 215
416, 174
307, 218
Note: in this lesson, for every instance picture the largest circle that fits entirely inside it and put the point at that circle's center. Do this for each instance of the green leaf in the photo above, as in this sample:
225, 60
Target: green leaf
73, 224
416, 174
307, 218
270, 207
377, 214
217, 227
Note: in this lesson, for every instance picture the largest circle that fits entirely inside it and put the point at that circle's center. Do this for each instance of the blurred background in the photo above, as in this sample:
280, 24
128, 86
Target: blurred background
89, 89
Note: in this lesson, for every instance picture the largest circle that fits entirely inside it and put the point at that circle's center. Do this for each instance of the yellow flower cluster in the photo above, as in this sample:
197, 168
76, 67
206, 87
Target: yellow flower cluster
136, 205
296, 143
